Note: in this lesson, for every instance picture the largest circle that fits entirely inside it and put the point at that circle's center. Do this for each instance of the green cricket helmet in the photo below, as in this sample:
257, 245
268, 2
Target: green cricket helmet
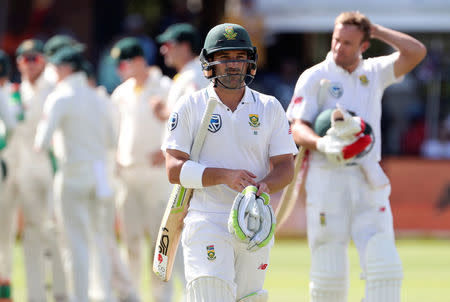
224, 37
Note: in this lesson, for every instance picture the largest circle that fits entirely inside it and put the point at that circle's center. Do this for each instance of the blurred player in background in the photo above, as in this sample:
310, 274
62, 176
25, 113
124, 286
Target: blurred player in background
6, 236
121, 277
82, 187
29, 183
247, 135
140, 162
348, 198
181, 44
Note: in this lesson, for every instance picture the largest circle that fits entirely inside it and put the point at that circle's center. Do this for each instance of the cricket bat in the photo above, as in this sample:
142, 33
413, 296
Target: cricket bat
288, 198
289, 195
177, 206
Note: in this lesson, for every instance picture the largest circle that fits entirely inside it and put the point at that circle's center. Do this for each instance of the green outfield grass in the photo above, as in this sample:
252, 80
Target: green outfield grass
426, 264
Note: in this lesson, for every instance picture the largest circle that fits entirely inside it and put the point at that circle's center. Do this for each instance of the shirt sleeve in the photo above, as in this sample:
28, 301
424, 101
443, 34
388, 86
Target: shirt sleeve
281, 140
384, 66
54, 110
303, 105
5, 113
180, 134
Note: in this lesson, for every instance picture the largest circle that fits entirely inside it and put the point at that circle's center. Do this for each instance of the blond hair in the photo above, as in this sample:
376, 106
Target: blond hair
357, 19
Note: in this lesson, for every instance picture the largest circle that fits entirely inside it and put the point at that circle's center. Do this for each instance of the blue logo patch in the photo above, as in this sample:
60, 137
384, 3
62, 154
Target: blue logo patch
173, 121
336, 90
215, 124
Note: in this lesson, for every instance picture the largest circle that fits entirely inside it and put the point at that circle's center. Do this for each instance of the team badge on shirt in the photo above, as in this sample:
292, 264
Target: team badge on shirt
336, 90
254, 120
363, 79
210, 252
173, 121
215, 124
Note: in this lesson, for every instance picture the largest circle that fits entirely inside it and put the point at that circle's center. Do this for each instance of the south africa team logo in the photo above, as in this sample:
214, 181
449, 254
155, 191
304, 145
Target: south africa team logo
363, 79
215, 124
230, 34
336, 90
254, 120
210, 252
173, 121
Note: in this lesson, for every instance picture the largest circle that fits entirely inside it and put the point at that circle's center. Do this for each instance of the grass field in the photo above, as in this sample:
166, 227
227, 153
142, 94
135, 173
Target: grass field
426, 264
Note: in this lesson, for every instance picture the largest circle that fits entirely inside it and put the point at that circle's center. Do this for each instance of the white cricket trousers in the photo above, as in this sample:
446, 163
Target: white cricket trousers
85, 229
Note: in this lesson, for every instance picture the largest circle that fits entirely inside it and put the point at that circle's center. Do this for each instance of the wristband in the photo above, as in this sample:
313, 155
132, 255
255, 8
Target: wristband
191, 175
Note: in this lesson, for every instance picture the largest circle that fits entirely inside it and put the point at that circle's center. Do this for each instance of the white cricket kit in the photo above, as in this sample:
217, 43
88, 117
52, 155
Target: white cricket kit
188, 80
349, 201
6, 116
145, 188
28, 186
243, 139
81, 185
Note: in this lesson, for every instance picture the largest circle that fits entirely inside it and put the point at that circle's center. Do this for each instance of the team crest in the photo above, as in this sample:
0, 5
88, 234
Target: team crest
215, 124
173, 121
210, 252
363, 79
336, 90
254, 120
28, 45
115, 52
230, 34
323, 221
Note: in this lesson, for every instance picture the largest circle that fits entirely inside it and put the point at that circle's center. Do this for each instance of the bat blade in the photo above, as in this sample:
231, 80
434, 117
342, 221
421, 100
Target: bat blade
177, 206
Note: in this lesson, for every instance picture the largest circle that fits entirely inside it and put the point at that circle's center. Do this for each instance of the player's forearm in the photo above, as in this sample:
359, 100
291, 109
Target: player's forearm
304, 135
404, 43
280, 175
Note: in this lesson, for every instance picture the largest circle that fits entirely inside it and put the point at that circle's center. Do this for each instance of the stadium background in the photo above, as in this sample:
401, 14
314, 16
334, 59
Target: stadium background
291, 36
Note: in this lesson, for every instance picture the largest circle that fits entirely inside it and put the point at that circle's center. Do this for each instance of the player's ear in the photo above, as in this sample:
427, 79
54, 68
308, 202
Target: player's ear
364, 46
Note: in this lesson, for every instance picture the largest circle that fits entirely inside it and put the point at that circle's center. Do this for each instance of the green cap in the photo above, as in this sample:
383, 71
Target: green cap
5, 64
181, 32
68, 55
127, 48
59, 41
30, 46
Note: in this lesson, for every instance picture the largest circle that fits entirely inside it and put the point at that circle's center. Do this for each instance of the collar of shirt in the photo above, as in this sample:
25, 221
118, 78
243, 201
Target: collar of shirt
190, 65
247, 98
75, 78
334, 67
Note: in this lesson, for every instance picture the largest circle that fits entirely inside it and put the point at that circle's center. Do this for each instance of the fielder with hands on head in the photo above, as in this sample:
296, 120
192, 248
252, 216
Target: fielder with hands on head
248, 146
347, 191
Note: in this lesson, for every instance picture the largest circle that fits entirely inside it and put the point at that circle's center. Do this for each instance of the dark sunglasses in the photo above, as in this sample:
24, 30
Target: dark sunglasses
31, 58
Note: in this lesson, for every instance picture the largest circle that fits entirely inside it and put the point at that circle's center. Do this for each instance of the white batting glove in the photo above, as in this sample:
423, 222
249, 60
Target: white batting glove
345, 125
244, 219
267, 226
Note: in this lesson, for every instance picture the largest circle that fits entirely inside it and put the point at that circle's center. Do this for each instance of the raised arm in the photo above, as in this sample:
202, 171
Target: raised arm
411, 50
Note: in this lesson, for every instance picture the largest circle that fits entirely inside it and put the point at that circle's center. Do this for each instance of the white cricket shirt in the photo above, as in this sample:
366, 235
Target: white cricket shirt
360, 91
243, 139
189, 79
82, 118
140, 131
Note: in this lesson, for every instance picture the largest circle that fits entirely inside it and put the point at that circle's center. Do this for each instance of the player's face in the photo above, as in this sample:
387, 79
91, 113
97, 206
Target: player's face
347, 46
231, 73
130, 67
170, 51
31, 65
